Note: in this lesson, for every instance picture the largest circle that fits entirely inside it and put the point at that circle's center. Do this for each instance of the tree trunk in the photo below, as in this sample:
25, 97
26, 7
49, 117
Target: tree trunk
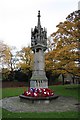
63, 79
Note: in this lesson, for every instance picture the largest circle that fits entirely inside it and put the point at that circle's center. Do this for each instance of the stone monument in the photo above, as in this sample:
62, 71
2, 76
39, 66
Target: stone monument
39, 45
38, 91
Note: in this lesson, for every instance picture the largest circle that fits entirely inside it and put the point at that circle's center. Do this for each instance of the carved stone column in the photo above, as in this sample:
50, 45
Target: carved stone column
39, 45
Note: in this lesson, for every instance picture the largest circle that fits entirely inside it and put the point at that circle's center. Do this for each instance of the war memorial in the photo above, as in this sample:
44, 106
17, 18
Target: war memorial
38, 90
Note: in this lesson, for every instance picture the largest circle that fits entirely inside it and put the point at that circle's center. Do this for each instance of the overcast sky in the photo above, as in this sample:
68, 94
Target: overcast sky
17, 17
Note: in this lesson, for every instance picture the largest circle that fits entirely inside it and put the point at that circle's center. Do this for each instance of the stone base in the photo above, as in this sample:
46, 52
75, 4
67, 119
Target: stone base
38, 83
38, 100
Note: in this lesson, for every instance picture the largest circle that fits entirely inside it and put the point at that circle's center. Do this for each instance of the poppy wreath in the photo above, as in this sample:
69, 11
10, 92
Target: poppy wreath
38, 92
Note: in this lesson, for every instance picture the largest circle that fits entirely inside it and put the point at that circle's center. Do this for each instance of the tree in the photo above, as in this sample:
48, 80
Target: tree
25, 63
5, 74
7, 60
2, 49
25, 59
64, 57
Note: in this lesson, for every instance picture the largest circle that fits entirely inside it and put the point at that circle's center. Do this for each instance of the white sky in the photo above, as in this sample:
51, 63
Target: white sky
17, 17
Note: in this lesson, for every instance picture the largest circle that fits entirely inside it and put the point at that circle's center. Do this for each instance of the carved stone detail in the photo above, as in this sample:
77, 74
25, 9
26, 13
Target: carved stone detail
39, 45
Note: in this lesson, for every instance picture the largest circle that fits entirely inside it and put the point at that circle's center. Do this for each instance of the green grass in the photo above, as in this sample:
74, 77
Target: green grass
0, 113
67, 90
10, 92
72, 91
71, 114
0, 93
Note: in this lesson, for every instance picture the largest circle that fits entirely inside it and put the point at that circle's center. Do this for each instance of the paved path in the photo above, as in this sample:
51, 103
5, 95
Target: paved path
58, 105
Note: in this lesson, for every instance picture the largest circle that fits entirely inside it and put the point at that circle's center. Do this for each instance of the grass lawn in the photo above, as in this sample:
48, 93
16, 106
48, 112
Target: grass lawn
67, 90
64, 90
0, 93
71, 114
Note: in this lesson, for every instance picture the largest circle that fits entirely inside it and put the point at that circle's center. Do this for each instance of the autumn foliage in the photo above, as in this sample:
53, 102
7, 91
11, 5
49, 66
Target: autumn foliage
64, 57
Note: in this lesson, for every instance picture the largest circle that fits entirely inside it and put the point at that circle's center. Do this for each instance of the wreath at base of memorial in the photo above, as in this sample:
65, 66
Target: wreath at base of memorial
38, 92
